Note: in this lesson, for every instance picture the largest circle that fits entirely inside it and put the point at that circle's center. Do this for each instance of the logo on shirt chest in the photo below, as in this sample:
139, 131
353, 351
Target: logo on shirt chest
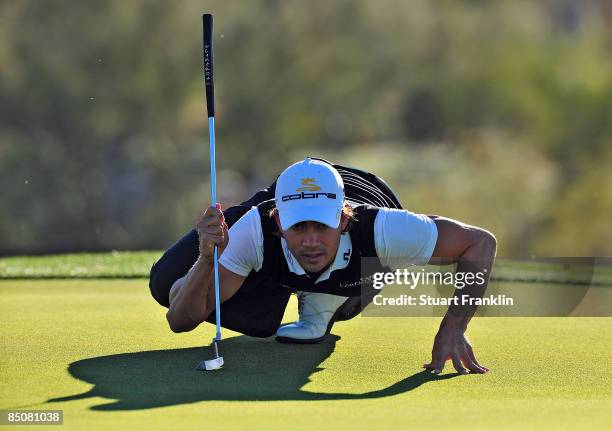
362, 282
347, 255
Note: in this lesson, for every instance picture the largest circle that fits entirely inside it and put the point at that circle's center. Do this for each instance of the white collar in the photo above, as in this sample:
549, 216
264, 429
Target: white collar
343, 255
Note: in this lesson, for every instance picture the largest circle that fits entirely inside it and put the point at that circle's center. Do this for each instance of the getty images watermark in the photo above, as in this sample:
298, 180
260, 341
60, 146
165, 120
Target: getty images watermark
411, 279
560, 286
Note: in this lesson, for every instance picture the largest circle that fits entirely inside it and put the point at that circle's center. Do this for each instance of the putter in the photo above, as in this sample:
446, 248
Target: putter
207, 20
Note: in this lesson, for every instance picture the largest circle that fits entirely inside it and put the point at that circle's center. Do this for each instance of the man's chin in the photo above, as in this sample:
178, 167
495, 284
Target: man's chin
314, 268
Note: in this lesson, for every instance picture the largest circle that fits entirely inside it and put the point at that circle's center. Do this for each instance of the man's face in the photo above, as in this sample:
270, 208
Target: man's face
313, 244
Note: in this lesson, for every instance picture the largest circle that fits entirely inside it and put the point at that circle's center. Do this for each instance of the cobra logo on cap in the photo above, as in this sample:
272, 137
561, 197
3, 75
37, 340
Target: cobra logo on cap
307, 186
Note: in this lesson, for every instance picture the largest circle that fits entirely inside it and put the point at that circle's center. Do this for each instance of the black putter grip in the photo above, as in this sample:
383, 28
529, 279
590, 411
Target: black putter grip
207, 21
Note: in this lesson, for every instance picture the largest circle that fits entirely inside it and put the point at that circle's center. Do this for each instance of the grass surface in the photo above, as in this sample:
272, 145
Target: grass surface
101, 351
129, 264
80, 265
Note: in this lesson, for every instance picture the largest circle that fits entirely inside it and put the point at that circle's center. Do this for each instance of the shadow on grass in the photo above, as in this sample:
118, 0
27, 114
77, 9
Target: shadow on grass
255, 370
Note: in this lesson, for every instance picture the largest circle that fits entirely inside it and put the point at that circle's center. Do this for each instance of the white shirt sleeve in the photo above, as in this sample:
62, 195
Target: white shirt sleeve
244, 251
403, 238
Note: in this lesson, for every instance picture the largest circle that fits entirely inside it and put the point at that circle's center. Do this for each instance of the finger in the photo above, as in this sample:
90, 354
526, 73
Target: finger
218, 206
215, 218
207, 222
215, 239
431, 365
457, 364
213, 230
209, 211
438, 361
225, 232
470, 354
433, 368
206, 234
217, 209
213, 212
470, 362
471, 365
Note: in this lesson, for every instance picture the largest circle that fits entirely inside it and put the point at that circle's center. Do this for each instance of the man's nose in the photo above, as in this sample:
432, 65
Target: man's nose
311, 238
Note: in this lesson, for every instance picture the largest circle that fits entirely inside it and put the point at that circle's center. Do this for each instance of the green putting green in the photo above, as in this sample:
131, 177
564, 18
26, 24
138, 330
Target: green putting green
100, 350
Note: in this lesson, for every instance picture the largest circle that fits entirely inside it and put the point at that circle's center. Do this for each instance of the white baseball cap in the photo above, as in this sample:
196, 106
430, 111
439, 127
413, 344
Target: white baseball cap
310, 190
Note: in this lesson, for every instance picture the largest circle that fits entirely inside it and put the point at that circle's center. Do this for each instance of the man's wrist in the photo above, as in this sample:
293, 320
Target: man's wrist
455, 321
204, 262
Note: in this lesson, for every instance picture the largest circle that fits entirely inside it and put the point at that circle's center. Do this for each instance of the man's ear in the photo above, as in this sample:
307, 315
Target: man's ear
278, 225
344, 221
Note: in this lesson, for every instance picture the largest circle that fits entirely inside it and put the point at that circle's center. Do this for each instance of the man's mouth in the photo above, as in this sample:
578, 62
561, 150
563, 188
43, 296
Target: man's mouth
312, 258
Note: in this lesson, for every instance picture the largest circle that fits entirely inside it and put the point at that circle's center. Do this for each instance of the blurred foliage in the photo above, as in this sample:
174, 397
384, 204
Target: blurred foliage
496, 113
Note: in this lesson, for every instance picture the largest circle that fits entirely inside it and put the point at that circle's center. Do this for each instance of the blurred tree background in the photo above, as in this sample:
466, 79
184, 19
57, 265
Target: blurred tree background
496, 113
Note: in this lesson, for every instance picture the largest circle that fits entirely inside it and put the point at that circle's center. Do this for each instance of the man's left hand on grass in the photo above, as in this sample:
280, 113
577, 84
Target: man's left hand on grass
451, 343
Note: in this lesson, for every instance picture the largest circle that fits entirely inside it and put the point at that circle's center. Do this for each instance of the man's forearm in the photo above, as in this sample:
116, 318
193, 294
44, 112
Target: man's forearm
189, 306
473, 249
475, 264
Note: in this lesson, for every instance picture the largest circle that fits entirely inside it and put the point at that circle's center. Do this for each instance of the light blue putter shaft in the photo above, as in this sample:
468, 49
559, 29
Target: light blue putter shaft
213, 185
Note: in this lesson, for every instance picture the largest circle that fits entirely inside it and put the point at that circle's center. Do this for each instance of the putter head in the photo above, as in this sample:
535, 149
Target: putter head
212, 364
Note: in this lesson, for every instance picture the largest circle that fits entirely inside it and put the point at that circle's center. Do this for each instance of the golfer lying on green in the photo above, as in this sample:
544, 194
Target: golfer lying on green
305, 235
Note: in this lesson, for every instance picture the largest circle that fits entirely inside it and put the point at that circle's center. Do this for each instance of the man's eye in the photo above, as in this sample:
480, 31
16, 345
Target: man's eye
322, 226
